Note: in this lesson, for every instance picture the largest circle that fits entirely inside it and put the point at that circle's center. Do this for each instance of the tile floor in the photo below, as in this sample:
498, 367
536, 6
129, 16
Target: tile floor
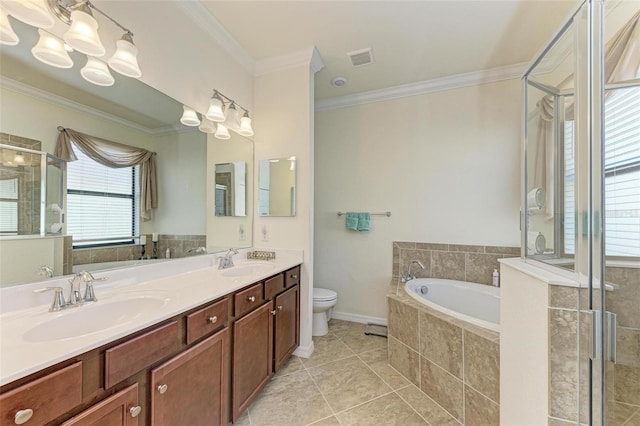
347, 381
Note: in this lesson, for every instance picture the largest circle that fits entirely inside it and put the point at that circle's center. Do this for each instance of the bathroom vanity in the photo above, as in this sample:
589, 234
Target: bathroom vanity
194, 363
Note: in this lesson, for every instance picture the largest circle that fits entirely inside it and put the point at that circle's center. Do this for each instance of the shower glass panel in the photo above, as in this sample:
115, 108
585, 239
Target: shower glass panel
583, 159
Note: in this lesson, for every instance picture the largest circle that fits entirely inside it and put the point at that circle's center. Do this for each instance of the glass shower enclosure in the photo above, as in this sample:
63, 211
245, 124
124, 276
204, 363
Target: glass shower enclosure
581, 206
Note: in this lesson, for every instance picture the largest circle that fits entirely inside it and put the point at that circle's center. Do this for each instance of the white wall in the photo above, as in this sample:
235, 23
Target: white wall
284, 128
446, 164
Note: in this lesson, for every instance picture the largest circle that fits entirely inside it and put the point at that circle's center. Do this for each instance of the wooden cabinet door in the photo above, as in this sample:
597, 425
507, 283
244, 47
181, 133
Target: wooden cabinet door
192, 388
252, 357
120, 409
286, 328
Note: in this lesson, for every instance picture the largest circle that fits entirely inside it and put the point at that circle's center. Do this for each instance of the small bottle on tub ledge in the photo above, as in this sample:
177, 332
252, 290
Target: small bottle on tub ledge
496, 278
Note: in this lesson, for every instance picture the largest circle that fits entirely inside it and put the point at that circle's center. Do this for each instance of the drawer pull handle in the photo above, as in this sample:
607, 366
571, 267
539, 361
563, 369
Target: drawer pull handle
212, 320
23, 416
273, 312
134, 411
251, 299
294, 276
162, 389
280, 307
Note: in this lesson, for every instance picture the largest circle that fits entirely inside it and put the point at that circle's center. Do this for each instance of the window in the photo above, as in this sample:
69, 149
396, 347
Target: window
102, 203
9, 206
622, 176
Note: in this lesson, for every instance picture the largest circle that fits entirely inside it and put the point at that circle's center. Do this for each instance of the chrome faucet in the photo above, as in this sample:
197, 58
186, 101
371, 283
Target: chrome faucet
409, 276
46, 271
198, 250
226, 261
89, 294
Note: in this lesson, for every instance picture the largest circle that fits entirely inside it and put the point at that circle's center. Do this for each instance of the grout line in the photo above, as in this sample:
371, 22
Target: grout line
415, 411
631, 416
365, 402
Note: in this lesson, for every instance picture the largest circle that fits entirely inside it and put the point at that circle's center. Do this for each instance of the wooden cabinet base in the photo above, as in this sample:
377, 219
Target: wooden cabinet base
120, 409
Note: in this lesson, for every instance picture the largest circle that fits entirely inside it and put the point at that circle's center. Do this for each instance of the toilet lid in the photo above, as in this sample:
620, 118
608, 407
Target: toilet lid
324, 294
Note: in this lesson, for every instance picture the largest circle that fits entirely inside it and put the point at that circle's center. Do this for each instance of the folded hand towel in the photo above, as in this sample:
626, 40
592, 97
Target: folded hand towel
364, 220
351, 221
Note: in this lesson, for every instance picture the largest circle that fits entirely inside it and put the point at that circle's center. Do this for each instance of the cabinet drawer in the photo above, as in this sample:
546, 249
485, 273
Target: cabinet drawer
273, 286
47, 397
292, 277
128, 358
119, 409
247, 300
207, 320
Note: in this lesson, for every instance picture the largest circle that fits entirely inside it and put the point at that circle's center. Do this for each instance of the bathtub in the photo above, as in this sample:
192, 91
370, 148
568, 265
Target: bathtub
475, 303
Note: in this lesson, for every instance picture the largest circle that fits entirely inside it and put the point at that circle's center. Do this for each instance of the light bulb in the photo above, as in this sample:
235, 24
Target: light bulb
216, 109
222, 132
245, 125
97, 72
51, 51
83, 34
189, 117
125, 59
32, 12
232, 120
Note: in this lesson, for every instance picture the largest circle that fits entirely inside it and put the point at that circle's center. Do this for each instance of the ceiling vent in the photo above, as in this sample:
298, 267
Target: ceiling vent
361, 57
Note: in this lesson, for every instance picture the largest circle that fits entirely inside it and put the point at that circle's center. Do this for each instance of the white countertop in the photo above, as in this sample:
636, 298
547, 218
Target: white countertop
178, 286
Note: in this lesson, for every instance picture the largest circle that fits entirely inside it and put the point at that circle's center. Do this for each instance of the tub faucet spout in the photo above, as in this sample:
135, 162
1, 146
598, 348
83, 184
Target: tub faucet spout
411, 276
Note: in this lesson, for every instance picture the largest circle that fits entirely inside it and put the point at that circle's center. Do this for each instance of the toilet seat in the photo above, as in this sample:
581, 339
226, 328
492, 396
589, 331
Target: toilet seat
324, 294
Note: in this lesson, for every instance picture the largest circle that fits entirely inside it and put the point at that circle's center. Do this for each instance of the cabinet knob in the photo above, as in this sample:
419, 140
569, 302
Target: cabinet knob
273, 312
212, 320
134, 411
162, 388
280, 307
251, 298
23, 416
294, 276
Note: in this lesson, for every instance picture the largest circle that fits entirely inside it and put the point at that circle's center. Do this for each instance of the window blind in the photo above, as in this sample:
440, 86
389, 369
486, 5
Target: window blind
101, 203
9, 206
622, 176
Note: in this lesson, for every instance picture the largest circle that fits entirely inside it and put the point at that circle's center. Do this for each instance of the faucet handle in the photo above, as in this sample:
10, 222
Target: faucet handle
58, 302
89, 294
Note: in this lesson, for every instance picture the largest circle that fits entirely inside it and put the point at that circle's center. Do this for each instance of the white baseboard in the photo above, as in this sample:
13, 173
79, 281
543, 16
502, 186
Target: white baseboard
304, 352
358, 318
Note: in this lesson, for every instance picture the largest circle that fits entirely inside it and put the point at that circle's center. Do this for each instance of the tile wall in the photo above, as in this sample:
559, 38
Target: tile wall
624, 376
450, 261
177, 244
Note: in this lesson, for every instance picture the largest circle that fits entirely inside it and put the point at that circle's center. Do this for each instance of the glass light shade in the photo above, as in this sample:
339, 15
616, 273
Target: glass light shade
18, 158
215, 112
189, 117
232, 120
222, 132
32, 12
245, 126
207, 126
97, 72
125, 59
51, 51
7, 35
83, 34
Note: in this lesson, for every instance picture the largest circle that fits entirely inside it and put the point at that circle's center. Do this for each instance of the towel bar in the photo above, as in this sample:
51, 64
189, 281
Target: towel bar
387, 214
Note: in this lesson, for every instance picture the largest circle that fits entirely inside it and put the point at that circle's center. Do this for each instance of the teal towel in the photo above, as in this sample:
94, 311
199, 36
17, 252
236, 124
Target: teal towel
364, 220
351, 221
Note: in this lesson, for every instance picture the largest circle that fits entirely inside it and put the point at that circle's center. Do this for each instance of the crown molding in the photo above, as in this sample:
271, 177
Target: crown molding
24, 89
202, 17
305, 57
422, 87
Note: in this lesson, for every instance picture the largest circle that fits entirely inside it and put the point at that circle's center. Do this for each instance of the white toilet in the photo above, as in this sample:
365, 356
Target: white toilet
323, 302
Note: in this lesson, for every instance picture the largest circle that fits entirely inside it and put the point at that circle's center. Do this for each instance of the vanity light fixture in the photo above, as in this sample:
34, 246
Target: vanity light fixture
222, 132
83, 33
32, 12
8, 37
207, 126
125, 59
18, 158
97, 72
51, 51
189, 117
231, 120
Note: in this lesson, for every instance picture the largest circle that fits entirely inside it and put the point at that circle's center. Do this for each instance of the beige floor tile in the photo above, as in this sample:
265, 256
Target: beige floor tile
288, 401
426, 407
329, 421
377, 361
634, 420
359, 342
347, 383
622, 413
327, 349
293, 365
243, 420
387, 410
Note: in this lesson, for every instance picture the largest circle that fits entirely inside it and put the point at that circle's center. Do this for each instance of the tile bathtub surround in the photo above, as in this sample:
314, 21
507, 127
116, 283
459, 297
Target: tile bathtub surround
178, 245
470, 263
456, 365
347, 381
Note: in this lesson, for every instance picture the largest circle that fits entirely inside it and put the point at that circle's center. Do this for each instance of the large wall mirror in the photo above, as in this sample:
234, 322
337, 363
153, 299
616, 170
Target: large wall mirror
277, 187
36, 98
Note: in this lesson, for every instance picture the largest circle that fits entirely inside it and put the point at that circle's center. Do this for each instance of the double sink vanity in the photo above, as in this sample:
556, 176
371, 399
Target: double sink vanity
175, 343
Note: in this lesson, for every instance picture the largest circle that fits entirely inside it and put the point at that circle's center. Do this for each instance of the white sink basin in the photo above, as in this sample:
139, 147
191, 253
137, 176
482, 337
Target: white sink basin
247, 269
93, 318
